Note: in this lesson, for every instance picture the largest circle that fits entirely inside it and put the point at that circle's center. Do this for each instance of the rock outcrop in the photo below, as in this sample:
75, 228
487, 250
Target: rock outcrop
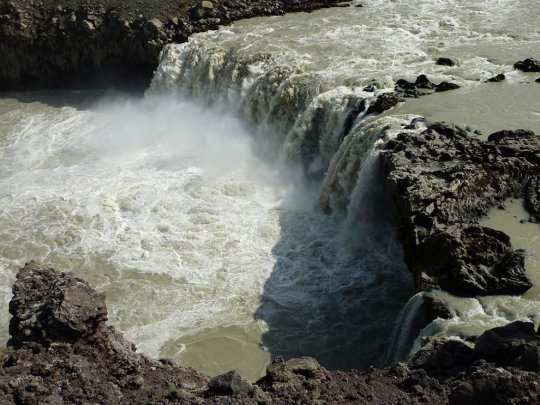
442, 182
62, 351
86, 44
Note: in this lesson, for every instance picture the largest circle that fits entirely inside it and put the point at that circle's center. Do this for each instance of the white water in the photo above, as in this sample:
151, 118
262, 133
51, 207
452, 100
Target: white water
201, 228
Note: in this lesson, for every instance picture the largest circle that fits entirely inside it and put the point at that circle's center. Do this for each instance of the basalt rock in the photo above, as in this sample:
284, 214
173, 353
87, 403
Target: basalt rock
497, 79
528, 65
422, 86
86, 44
445, 62
443, 181
72, 356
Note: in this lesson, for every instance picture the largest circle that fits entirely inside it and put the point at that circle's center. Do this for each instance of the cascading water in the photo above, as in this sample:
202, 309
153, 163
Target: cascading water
222, 241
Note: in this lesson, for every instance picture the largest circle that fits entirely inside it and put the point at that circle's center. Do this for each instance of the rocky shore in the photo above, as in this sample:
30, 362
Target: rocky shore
442, 182
62, 351
88, 44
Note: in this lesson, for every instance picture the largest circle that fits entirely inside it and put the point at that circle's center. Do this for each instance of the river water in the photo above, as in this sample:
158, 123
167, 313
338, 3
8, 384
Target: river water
235, 212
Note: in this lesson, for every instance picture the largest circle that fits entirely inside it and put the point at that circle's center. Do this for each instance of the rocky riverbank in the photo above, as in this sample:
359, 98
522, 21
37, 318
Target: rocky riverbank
62, 351
442, 182
89, 44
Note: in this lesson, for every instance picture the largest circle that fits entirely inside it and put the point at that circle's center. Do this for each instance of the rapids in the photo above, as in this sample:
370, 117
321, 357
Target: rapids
237, 212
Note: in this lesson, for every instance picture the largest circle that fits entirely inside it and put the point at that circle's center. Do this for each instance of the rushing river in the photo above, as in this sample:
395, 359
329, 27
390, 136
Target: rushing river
235, 213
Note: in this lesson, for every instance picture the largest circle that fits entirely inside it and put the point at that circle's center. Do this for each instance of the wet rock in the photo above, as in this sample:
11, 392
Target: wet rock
442, 182
100, 366
445, 86
383, 102
497, 79
444, 62
528, 65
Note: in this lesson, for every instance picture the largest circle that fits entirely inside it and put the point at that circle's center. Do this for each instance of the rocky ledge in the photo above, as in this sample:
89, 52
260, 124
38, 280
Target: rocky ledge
62, 351
442, 182
89, 43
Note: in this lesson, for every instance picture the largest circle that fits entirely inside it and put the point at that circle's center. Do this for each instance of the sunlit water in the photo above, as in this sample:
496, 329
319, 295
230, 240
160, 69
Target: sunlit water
189, 207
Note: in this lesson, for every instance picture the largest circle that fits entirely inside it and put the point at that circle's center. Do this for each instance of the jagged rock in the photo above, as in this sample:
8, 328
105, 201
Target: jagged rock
445, 62
442, 182
230, 383
423, 82
515, 345
85, 44
497, 79
65, 309
528, 65
100, 366
532, 198
383, 102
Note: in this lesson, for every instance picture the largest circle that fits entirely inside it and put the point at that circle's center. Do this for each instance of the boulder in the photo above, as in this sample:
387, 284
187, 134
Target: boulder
444, 62
516, 345
528, 65
443, 181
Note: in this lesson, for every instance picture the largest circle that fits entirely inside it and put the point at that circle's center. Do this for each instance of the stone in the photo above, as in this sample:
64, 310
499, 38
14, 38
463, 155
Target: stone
528, 65
383, 102
516, 345
445, 86
445, 62
230, 383
497, 79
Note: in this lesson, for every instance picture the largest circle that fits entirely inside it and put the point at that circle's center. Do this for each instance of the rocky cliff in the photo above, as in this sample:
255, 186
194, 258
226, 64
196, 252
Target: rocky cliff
62, 351
442, 182
88, 44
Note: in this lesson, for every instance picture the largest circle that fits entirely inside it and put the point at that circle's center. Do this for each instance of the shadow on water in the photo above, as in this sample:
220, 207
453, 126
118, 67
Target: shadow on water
337, 286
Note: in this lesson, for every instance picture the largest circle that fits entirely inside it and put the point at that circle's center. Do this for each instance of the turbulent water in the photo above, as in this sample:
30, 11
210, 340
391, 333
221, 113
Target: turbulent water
237, 211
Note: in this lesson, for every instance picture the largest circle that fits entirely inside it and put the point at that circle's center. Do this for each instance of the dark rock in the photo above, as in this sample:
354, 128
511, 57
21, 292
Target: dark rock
229, 383
445, 86
423, 82
497, 79
445, 62
383, 102
442, 182
66, 309
532, 198
86, 45
528, 65
516, 345
100, 366
537, 80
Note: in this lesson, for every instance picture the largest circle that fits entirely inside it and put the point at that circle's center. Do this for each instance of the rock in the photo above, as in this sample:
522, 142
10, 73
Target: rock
383, 102
474, 261
444, 62
100, 366
532, 198
497, 79
423, 82
445, 86
442, 182
88, 26
66, 309
516, 345
229, 383
537, 80
528, 65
